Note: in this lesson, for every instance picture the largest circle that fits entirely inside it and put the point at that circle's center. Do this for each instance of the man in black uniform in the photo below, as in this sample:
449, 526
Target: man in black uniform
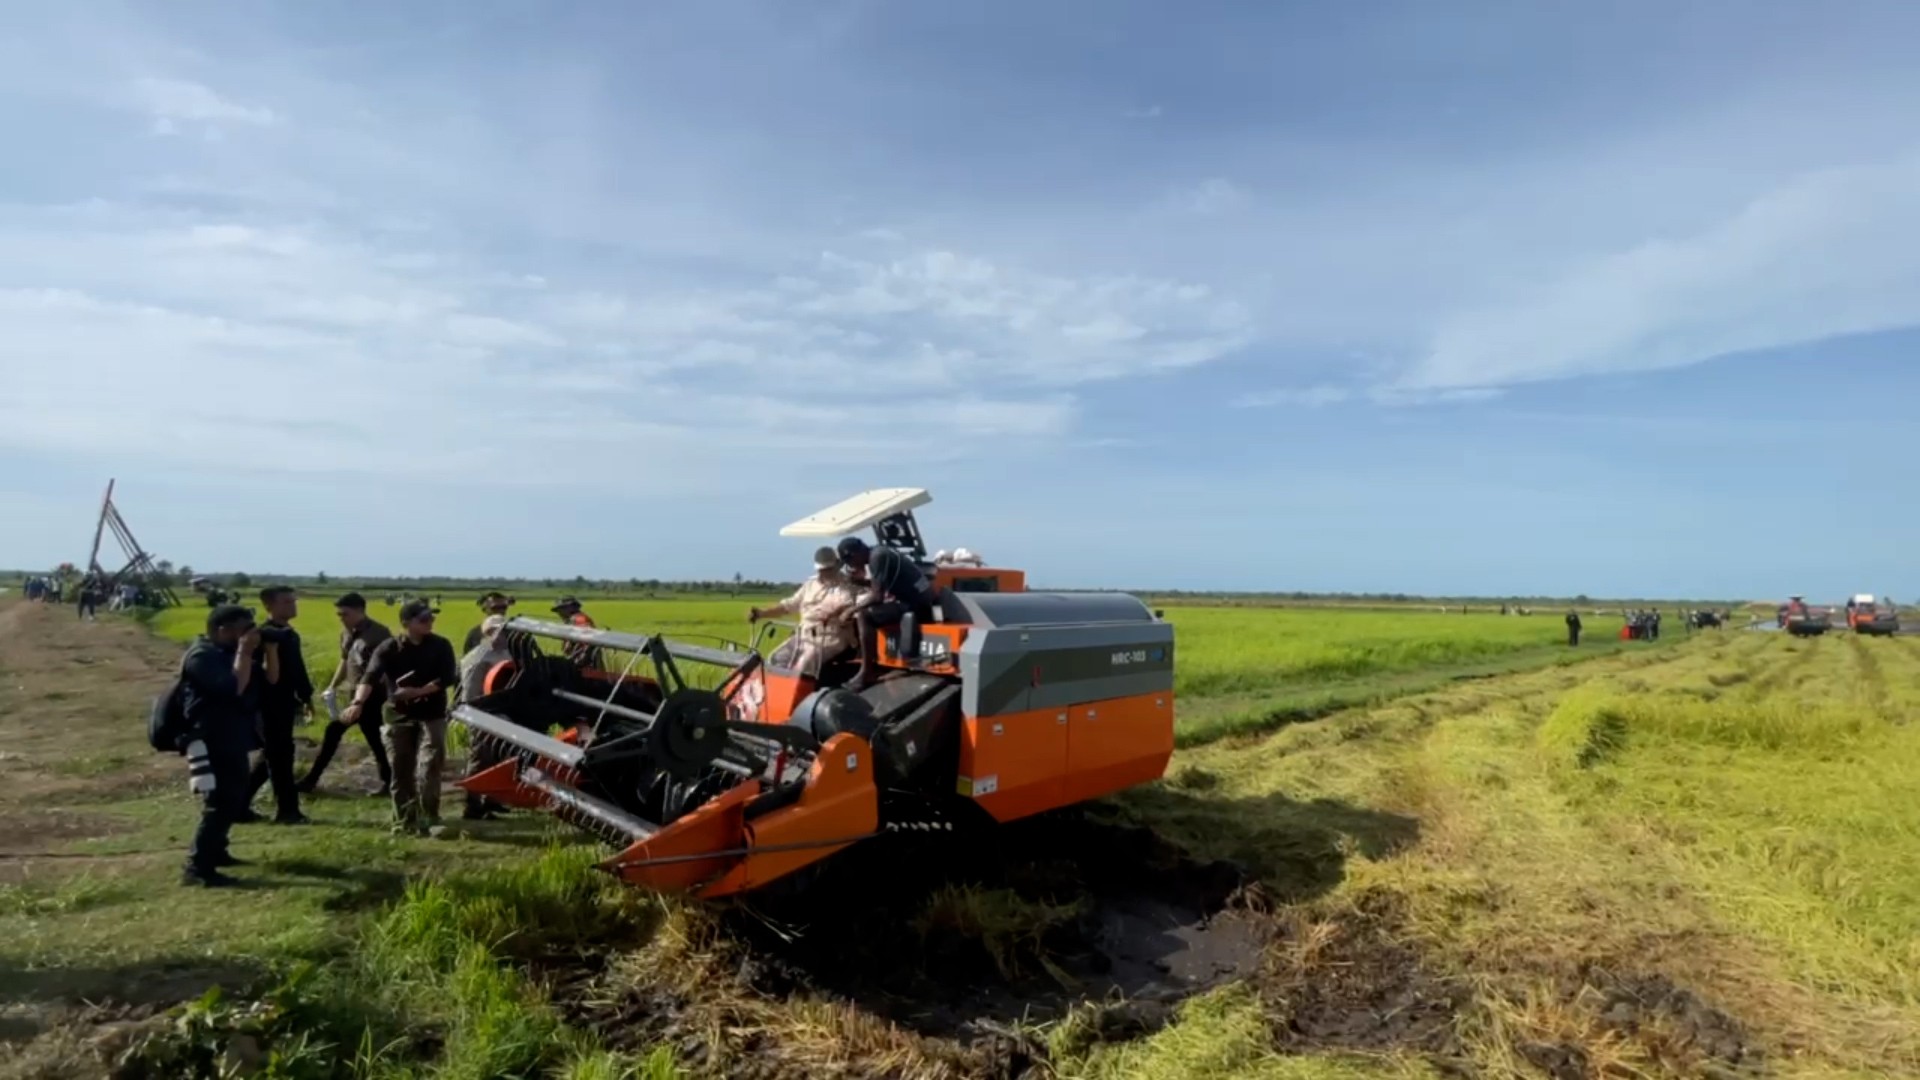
896, 586
1573, 627
416, 668
221, 677
359, 636
284, 700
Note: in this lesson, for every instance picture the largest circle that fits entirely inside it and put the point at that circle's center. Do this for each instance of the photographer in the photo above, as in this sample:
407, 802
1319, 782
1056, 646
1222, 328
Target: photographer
220, 676
287, 697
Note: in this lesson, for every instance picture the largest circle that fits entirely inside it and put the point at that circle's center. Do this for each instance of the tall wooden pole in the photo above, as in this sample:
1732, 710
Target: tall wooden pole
106, 504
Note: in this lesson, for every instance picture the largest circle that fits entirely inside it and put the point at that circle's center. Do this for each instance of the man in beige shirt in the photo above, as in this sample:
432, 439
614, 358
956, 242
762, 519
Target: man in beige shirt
823, 603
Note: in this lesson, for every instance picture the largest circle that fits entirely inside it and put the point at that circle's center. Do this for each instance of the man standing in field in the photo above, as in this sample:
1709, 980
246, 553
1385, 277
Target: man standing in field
490, 650
286, 698
1573, 628
824, 602
568, 609
416, 669
493, 603
221, 694
359, 636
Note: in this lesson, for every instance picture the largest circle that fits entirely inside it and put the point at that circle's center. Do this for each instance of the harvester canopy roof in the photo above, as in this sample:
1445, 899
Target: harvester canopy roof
859, 512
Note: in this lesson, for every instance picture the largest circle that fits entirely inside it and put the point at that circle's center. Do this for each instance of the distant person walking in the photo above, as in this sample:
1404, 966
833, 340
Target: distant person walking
1573, 628
221, 677
416, 668
359, 636
286, 698
89, 600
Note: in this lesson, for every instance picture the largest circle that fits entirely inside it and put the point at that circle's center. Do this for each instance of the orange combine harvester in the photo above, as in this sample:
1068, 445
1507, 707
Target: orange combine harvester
717, 771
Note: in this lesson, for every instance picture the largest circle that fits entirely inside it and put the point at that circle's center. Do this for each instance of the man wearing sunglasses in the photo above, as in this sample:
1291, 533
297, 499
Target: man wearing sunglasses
416, 668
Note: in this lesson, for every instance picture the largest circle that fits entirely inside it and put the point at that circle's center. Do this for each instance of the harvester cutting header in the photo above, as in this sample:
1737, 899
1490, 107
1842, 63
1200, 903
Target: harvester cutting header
717, 771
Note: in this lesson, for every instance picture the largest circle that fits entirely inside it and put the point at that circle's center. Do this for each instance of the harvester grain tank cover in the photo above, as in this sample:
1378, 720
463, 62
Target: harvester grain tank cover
1030, 651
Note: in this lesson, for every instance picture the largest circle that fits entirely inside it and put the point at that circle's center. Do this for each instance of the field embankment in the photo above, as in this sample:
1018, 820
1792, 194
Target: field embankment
1679, 860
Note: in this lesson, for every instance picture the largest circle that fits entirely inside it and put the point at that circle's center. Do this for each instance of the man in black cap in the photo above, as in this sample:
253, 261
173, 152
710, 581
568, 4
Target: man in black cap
221, 675
493, 603
896, 586
287, 696
359, 636
416, 668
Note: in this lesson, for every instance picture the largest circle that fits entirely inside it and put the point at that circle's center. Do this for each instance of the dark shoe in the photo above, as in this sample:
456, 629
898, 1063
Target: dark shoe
207, 879
250, 817
228, 860
479, 813
295, 819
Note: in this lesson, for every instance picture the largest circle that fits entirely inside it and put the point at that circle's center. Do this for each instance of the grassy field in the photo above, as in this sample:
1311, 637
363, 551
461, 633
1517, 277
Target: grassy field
1686, 859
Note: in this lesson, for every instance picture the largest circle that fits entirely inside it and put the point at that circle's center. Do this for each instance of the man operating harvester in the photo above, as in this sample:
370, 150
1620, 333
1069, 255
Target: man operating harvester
898, 587
824, 603
416, 669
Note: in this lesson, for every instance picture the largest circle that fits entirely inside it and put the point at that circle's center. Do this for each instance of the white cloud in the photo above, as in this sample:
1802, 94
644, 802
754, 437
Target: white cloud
1828, 253
1215, 195
173, 102
1312, 397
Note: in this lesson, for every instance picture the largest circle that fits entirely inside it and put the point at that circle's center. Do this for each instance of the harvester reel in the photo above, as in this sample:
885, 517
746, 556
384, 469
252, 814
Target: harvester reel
688, 733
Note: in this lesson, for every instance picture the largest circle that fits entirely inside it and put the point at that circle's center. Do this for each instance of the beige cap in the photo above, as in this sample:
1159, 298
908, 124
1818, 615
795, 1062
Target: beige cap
825, 558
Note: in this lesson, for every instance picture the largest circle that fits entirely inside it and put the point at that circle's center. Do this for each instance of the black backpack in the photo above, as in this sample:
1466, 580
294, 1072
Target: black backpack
167, 727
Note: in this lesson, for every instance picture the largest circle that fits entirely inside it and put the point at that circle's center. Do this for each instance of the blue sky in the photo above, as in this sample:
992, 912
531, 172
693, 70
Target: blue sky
1499, 297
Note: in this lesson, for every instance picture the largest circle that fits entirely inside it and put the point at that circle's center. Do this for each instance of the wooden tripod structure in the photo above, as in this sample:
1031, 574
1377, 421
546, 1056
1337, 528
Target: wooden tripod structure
139, 569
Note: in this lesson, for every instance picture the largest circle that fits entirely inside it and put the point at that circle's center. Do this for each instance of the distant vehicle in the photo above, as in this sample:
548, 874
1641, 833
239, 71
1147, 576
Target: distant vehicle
1868, 615
1796, 618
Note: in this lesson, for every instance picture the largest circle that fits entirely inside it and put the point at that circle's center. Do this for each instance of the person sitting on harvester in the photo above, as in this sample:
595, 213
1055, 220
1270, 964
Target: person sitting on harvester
824, 602
898, 586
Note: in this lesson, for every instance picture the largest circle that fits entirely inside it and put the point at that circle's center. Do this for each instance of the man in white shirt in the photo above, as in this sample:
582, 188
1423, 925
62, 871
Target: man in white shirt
823, 602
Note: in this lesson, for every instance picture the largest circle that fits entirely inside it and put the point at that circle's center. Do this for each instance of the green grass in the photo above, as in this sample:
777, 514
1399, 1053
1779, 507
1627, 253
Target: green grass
1732, 812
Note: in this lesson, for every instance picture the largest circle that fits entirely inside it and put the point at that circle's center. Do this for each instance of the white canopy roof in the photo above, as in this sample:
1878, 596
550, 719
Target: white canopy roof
859, 512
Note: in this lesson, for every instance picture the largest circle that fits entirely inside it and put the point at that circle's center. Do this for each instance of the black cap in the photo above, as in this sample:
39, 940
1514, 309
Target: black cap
352, 600
564, 603
852, 549
413, 609
228, 615
484, 597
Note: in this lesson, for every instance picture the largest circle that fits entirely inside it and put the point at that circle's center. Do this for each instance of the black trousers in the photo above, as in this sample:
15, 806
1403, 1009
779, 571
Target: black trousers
276, 764
369, 726
1573, 636
220, 808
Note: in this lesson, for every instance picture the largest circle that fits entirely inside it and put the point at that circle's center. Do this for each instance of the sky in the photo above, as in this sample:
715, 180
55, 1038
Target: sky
1500, 297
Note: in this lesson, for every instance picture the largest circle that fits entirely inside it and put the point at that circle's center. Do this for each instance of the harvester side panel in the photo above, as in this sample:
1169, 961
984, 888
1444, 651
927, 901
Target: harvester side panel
838, 806
1015, 764
1112, 745
1038, 671
700, 847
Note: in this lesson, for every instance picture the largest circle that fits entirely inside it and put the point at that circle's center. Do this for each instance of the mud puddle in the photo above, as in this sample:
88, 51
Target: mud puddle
968, 934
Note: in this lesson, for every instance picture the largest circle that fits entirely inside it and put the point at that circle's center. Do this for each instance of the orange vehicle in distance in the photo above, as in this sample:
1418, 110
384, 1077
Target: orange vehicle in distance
1010, 703
1867, 614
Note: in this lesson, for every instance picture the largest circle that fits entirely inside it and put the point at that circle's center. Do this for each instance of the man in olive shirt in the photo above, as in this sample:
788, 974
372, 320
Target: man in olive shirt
493, 603
416, 668
359, 636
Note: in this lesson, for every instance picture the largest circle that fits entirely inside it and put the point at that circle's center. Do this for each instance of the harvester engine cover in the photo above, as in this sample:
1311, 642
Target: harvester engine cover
1010, 703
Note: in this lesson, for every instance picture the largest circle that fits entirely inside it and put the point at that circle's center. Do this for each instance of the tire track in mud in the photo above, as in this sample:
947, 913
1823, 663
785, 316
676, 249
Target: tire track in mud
1803, 654
1869, 682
